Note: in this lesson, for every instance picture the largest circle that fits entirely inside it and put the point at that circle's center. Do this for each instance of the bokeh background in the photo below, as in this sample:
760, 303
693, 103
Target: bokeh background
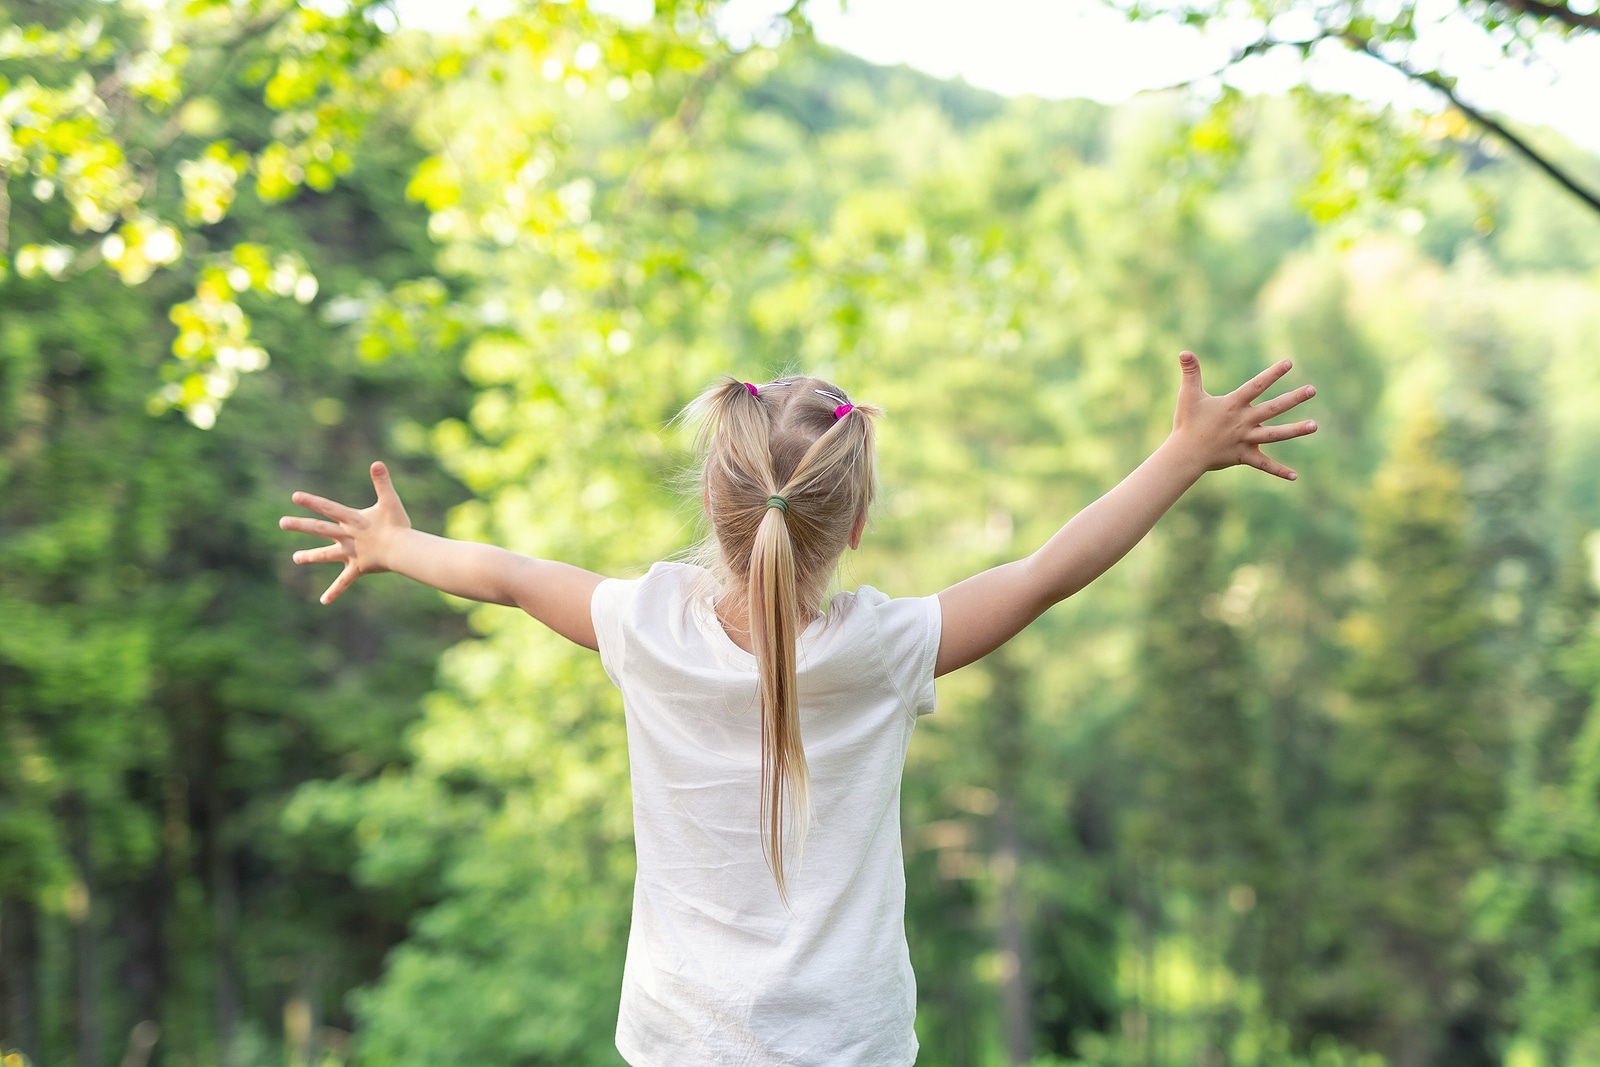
1311, 779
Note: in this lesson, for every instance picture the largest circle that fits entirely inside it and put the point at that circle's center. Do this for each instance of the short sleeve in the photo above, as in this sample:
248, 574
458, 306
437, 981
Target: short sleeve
609, 608
908, 636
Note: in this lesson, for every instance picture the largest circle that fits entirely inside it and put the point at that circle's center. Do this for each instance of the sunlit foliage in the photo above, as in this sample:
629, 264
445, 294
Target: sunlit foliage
1307, 780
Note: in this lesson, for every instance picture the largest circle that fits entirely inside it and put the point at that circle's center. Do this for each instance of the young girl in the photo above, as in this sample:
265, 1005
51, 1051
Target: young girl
766, 734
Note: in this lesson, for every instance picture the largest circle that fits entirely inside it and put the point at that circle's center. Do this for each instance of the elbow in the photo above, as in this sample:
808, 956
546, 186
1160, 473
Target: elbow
1045, 588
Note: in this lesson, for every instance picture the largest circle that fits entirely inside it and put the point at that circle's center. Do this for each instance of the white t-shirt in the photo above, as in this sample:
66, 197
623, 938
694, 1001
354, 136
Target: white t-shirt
718, 973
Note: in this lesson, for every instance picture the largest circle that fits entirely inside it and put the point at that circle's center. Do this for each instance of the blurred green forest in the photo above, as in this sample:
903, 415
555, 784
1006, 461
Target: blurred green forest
1312, 778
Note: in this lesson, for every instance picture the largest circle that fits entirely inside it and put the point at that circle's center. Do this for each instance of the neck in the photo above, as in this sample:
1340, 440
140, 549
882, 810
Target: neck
733, 612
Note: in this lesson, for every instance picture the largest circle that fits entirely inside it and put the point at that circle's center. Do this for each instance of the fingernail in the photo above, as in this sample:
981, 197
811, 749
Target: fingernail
1293, 476
1311, 426
1311, 390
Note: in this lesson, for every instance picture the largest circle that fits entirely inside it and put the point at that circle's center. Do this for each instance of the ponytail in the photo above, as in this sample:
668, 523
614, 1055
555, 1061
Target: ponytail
774, 611
787, 475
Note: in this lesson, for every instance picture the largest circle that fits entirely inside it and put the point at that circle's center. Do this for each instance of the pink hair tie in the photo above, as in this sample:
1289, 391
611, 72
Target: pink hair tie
752, 389
842, 410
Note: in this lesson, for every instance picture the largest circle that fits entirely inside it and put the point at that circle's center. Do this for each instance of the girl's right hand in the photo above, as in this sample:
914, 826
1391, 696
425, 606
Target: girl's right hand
360, 538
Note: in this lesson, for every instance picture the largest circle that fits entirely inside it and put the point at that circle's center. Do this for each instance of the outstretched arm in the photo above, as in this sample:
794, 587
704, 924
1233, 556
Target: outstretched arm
380, 538
1208, 433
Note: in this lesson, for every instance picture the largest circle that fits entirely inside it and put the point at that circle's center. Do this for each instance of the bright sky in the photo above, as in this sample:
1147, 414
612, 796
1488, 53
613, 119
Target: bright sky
1066, 48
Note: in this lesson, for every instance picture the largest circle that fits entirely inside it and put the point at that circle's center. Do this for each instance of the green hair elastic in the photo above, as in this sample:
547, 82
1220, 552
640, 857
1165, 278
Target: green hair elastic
779, 503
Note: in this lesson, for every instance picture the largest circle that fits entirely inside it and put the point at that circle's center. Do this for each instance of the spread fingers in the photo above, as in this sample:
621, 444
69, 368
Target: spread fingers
325, 554
1261, 461
1263, 381
323, 506
1271, 409
1266, 434
314, 527
341, 583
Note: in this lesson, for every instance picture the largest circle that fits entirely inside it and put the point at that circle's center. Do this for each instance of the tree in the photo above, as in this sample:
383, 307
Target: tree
1163, 825
162, 691
1422, 766
119, 110
1539, 906
1390, 154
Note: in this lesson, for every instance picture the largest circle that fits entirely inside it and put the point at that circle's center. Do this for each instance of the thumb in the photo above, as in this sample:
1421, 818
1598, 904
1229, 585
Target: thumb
388, 499
1189, 388
381, 482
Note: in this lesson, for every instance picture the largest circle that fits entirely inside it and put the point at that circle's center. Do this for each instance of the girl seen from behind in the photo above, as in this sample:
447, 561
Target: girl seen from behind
766, 730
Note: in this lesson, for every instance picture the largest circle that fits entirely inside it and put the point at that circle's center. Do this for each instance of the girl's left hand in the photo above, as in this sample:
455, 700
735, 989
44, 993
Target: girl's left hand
1224, 431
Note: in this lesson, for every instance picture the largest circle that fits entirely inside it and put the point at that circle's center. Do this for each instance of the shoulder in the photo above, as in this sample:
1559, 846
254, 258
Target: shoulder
668, 575
661, 576
660, 599
904, 631
664, 582
868, 603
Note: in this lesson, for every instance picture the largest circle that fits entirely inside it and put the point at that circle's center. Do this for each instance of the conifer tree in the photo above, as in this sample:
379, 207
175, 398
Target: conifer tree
1420, 764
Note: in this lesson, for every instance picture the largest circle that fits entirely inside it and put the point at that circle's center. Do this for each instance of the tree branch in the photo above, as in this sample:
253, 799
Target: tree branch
1364, 45
1255, 48
1438, 84
1558, 11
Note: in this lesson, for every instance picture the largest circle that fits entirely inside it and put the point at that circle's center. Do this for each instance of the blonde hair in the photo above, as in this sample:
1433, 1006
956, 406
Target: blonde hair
801, 440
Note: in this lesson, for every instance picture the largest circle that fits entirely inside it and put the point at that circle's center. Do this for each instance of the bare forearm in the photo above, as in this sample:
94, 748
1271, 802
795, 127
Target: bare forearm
1208, 433
466, 569
1102, 533
557, 594
994, 606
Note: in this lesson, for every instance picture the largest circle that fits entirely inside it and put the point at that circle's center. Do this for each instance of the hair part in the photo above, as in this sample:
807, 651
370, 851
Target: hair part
782, 440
